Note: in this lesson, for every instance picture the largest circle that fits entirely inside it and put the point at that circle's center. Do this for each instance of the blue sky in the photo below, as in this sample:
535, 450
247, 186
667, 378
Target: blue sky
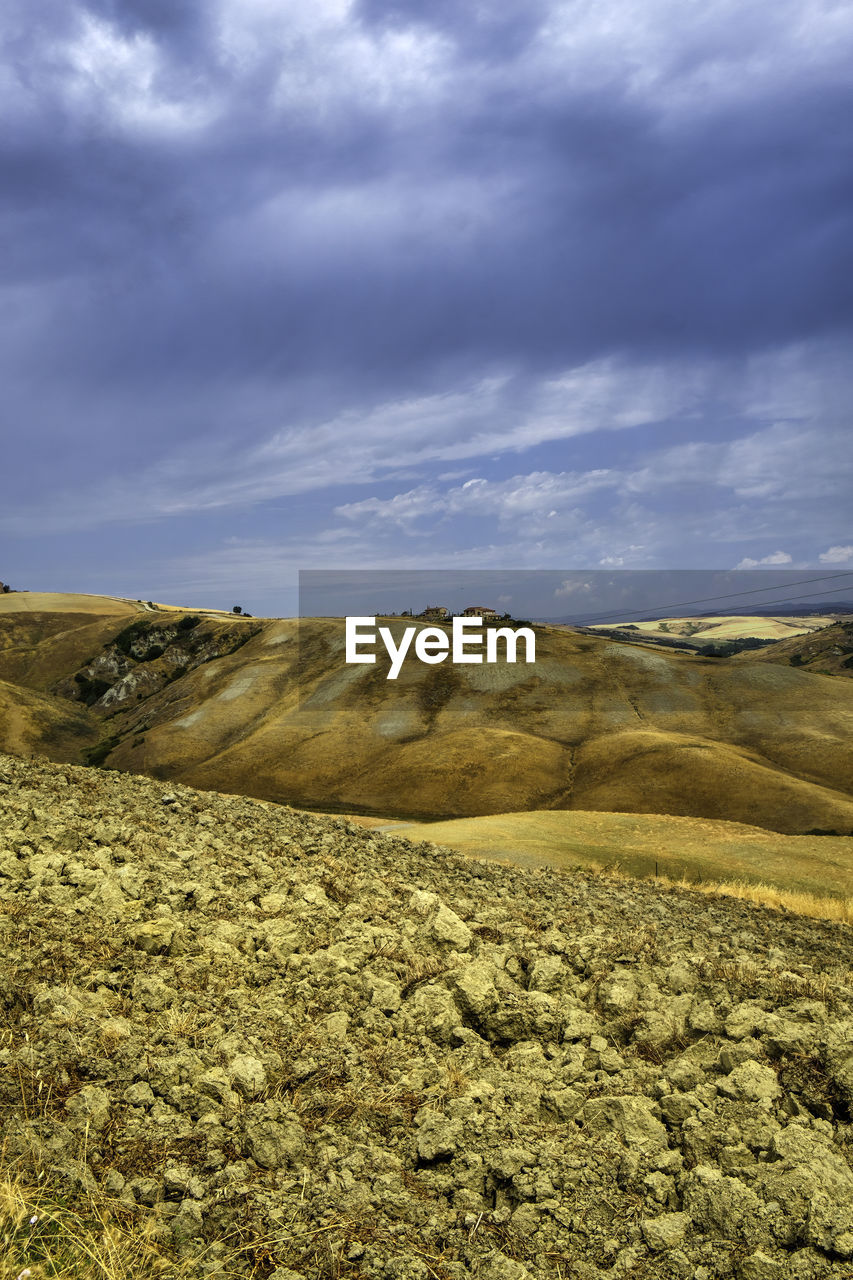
357, 283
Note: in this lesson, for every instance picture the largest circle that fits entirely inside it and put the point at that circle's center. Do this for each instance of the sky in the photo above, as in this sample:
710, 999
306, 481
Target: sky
585, 597
514, 284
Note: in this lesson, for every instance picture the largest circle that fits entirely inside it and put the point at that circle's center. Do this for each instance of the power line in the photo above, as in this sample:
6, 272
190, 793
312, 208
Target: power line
793, 599
731, 595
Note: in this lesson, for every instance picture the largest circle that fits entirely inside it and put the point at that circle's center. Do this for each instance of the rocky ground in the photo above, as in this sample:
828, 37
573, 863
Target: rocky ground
341, 1054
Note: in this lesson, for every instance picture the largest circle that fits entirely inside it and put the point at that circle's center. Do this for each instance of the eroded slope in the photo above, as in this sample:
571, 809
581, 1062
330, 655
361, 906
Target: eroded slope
593, 725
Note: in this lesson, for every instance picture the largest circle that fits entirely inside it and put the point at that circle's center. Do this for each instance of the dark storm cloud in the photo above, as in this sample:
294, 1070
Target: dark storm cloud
224, 219
181, 21
581, 223
586, 253
488, 31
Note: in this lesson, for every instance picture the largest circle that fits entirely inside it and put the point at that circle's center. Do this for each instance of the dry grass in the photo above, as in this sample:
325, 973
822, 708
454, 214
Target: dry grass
57, 1226
799, 903
412, 967
41, 1237
808, 875
48, 1235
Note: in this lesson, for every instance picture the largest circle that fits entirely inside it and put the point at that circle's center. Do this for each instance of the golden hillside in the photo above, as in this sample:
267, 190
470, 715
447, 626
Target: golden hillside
269, 708
34, 723
723, 627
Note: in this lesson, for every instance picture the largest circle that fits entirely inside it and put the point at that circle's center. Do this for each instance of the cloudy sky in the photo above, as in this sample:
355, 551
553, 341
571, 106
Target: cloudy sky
397, 283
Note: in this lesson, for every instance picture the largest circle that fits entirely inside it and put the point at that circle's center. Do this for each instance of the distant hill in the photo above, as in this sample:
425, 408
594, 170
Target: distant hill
828, 651
716, 633
269, 708
65, 602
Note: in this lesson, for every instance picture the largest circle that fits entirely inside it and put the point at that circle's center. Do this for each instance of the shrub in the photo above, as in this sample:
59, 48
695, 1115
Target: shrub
96, 755
725, 648
91, 689
154, 651
125, 638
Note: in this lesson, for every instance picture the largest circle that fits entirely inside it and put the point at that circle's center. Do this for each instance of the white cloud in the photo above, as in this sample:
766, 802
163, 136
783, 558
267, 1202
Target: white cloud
403, 509
836, 555
775, 558
704, 493
361, 446
784, 461
520, 498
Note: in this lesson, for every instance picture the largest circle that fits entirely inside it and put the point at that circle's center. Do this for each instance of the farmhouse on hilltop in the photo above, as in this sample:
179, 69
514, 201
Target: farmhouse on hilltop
479, 611
434, 612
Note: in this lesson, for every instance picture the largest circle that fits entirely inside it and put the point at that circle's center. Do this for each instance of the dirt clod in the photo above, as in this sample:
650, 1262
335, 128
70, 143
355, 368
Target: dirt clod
439, 1068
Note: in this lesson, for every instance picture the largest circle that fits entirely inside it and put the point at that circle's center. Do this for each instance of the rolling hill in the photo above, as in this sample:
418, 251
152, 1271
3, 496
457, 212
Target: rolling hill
269, 708
711, 628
